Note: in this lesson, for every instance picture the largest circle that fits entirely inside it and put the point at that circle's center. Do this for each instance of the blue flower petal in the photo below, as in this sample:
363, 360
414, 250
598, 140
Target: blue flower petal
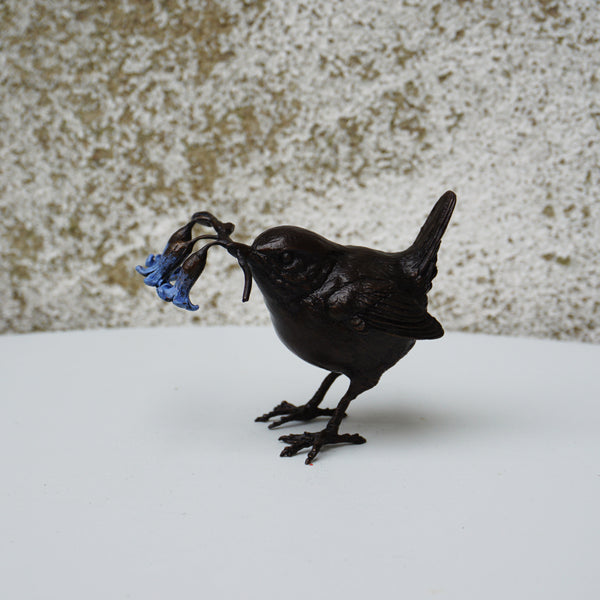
182, 300
166, 291
155, 278
150, 265
151, 259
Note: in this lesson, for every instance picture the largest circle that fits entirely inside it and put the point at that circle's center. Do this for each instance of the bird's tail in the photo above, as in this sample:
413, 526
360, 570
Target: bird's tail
422, 255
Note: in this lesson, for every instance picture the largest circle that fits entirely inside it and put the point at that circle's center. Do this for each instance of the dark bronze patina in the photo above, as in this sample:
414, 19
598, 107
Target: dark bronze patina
350, 310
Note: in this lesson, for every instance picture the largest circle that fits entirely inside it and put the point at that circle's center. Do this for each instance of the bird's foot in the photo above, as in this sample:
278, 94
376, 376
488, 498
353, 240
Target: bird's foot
291, 412
298, 441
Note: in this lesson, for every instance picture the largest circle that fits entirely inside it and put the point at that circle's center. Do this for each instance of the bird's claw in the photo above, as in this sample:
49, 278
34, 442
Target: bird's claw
290, 412
281, 409
298, 441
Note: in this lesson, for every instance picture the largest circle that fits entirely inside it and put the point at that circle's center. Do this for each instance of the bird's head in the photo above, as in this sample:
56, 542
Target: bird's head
287, 262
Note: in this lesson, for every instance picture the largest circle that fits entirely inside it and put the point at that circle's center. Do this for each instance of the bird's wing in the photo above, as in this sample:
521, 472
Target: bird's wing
378, 304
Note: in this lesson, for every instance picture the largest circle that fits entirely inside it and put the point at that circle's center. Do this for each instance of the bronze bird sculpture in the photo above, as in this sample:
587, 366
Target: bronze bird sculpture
350, 310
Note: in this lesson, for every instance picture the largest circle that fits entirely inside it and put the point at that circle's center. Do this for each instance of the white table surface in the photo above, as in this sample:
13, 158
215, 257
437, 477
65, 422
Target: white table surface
131, 468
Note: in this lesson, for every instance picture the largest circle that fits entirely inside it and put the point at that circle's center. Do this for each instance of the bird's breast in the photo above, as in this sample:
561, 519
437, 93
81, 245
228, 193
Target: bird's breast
310, 333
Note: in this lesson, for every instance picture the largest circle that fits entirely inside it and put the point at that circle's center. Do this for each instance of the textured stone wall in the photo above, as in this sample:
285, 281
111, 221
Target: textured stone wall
120, 119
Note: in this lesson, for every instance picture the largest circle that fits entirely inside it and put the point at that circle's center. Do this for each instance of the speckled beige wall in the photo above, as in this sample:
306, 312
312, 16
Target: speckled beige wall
120, 119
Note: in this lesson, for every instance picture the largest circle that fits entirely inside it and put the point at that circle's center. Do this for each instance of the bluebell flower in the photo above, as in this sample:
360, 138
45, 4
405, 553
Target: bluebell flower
187, 275
162, 268
159, 268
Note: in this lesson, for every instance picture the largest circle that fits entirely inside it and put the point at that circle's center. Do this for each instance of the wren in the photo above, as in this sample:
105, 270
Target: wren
350, 310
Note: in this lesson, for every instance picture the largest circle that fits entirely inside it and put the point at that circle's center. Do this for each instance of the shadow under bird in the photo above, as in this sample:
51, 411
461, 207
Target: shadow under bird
350, 310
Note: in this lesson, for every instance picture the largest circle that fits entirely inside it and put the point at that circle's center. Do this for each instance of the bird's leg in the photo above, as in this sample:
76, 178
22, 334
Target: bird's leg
306, 412
330, 434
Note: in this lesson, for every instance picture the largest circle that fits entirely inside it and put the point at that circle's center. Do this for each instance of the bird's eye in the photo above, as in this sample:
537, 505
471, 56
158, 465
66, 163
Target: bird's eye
286, 258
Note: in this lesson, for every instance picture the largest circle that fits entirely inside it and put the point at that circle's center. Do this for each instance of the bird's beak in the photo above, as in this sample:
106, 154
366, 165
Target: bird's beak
242, 253
238, 250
